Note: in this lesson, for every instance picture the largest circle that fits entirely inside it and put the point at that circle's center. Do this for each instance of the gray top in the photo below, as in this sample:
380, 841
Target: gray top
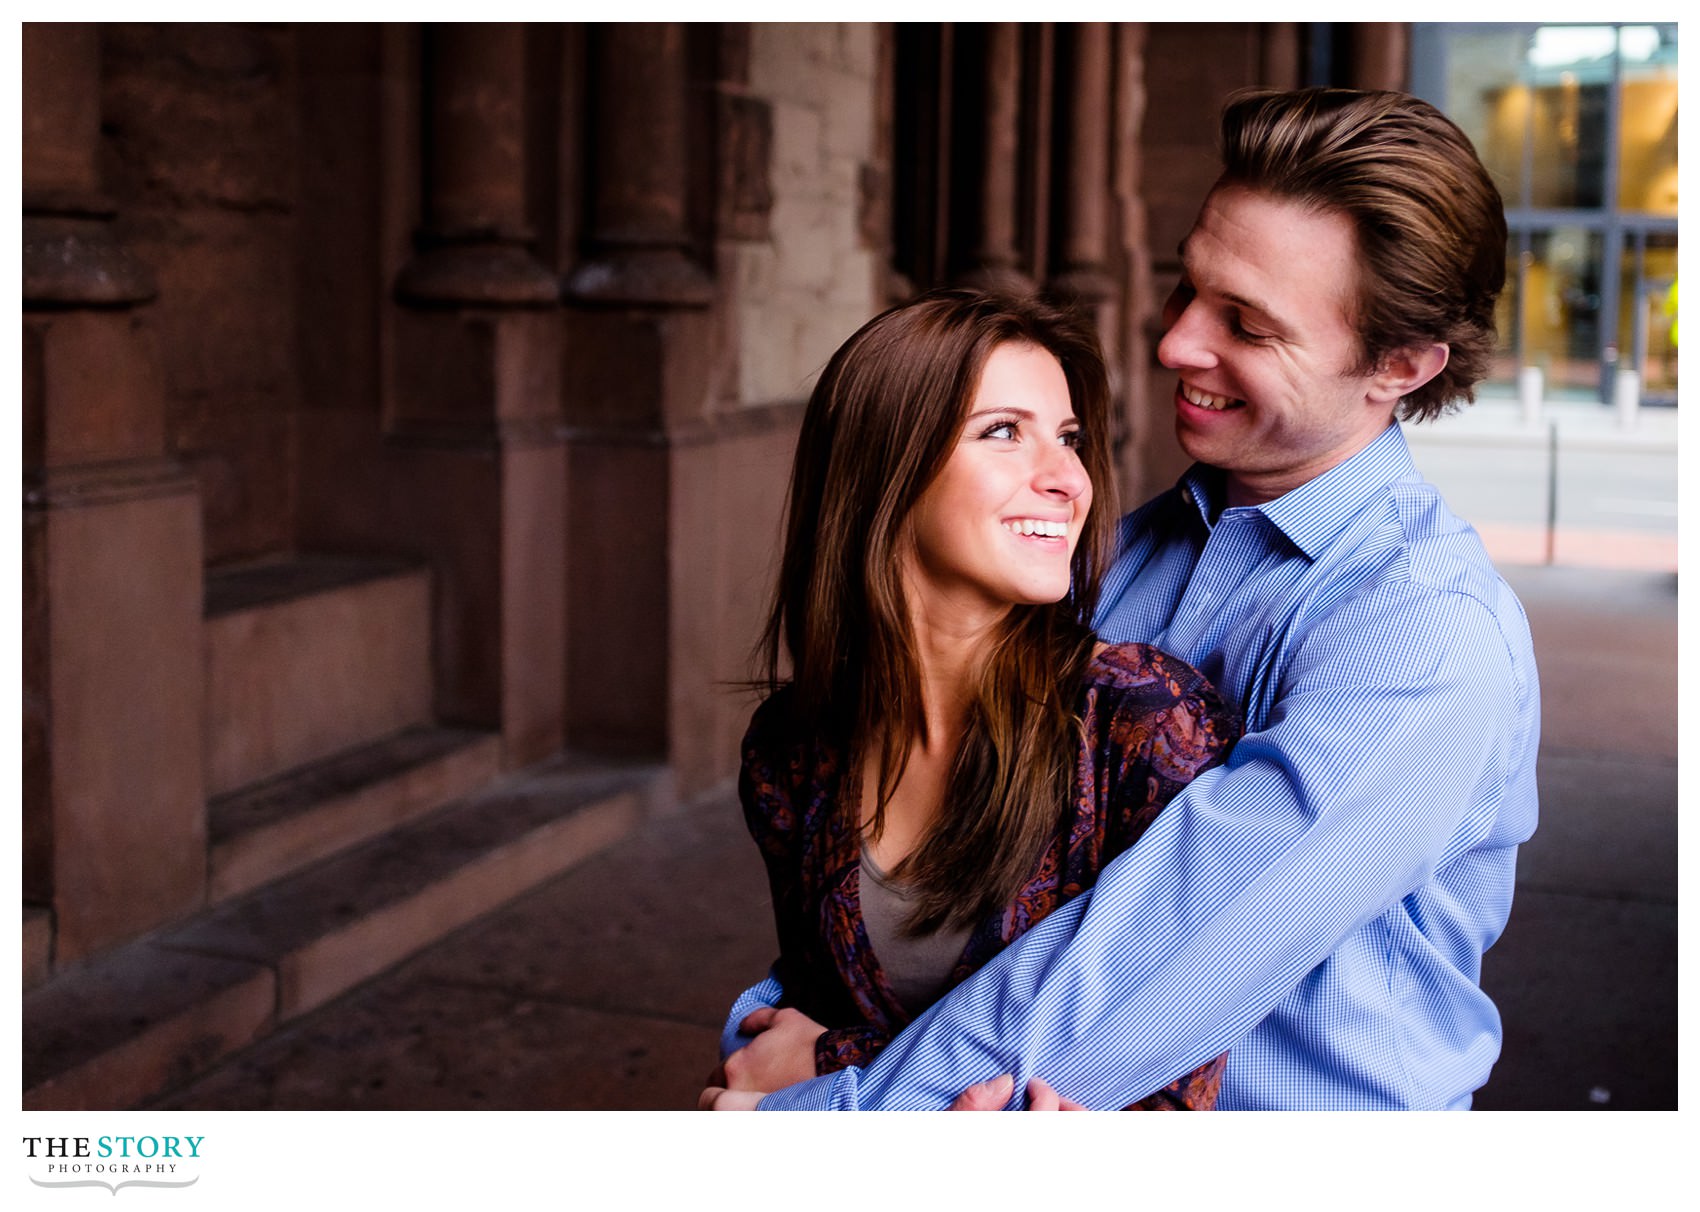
915, 966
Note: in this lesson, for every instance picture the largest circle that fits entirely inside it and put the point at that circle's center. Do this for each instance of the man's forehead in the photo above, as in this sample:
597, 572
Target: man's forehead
1264, 251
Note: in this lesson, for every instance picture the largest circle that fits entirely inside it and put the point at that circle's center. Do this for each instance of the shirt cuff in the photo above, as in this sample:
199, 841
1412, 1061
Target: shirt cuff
757, 996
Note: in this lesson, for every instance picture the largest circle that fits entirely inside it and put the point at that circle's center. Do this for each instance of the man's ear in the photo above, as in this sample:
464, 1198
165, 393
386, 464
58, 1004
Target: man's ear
1404, 370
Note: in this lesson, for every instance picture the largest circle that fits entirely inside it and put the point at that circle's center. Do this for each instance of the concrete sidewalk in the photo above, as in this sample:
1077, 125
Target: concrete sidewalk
605, 989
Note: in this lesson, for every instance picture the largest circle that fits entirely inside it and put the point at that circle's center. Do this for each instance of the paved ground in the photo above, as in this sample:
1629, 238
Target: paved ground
605, 988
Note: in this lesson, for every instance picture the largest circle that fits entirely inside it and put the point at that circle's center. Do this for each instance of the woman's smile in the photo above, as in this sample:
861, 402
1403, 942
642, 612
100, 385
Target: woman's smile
999, 524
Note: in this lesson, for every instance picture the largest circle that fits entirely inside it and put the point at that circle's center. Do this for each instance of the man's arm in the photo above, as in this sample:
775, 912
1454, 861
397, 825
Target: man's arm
1365, 780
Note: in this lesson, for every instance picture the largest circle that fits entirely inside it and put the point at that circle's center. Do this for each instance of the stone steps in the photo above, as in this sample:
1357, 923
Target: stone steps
263, 832
309, 657
148, 1017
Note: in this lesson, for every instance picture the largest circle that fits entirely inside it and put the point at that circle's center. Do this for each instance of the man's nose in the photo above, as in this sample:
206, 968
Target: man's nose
1186, 345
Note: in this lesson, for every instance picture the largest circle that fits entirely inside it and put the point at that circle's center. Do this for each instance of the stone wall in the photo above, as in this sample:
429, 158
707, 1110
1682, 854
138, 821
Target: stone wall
814, 281
200, 157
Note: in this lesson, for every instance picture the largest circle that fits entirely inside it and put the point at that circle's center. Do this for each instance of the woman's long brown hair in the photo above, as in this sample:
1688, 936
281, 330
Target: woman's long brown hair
885, 415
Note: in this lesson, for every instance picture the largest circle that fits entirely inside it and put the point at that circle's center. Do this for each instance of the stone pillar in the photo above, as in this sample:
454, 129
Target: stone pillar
1129, 350
475, 396
997, 257
1379, 54
1282, 56
638, 236
638, 365
472, 248
1084, 233
70, 256
114, 803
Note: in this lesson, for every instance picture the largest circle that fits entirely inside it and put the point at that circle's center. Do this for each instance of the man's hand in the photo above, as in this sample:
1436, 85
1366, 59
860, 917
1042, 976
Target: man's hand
993, 1095
782, 1053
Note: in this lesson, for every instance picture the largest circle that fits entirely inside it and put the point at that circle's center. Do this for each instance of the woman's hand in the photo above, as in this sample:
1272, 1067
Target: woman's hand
782, 1053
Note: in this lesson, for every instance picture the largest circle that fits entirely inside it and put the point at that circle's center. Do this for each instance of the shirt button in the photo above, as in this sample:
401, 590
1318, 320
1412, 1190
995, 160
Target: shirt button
1186, 495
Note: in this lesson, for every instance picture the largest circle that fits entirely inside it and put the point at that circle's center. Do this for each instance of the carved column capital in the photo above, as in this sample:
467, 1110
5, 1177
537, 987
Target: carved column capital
71, 255
473, 248
638, 238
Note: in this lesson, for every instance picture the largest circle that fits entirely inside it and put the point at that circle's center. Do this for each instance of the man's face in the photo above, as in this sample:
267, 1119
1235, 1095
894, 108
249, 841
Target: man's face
1260, 330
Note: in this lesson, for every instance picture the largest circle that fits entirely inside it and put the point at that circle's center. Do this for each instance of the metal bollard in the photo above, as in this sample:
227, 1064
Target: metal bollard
1530, 387
1626, 396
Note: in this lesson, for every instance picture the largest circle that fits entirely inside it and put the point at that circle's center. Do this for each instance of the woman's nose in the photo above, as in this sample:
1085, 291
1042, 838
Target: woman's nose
1062, 475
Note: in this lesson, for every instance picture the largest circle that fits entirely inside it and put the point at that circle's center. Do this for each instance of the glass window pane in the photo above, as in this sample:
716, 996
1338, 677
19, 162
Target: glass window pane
1650, 297
1561, 310
1485, 95
1647, 156
1570, 71
1503, 368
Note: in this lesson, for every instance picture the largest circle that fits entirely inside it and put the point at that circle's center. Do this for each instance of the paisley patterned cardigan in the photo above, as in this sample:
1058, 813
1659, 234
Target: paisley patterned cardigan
1151, 723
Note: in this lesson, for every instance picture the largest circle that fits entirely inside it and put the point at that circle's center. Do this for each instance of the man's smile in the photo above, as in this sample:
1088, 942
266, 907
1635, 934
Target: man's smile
1203, 399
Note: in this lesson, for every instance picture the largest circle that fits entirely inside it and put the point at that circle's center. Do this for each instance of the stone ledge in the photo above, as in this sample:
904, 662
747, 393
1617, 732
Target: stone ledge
309, 659
266, 831
147, 1019
139, 1021
343, 920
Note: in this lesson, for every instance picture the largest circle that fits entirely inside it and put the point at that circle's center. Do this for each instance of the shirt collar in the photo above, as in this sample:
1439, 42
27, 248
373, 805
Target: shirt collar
1313, 513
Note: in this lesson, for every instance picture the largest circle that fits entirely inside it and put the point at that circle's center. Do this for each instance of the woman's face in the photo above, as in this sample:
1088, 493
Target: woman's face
999, 525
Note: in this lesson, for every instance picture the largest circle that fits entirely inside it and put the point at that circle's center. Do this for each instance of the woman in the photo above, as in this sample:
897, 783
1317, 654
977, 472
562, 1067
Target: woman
953, 754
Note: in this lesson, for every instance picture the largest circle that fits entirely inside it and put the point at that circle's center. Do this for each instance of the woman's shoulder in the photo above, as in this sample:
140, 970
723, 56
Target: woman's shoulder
1156, 711
1133, 665
1141, 679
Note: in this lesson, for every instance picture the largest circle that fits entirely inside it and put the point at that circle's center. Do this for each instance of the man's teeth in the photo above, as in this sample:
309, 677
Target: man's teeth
1204, 399
1052, 530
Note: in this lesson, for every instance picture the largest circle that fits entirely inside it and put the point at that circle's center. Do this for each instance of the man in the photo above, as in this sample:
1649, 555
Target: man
1318, 907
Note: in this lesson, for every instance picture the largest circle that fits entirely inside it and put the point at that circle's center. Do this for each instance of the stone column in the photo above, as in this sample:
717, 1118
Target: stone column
638, 365
997, 257
1085, 218
70, 255
472, 248
475, 395
1380, 52
1282, 56
638, 236
114, 803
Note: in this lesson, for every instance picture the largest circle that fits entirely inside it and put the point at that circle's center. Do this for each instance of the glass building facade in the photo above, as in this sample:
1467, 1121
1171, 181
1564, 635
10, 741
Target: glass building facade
1577, 123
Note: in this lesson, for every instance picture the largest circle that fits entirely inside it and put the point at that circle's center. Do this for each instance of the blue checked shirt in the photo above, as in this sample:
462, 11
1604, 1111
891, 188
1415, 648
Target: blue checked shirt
1319, 906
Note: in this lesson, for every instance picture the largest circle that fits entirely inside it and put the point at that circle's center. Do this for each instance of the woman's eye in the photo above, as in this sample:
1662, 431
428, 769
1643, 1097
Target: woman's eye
1072, 439
1003, 430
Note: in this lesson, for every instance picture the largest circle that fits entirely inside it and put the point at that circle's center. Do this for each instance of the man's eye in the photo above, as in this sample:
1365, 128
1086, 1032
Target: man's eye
1242, 333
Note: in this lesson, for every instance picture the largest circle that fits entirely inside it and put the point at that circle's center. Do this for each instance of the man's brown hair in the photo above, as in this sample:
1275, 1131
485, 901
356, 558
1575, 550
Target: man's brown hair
1429, 220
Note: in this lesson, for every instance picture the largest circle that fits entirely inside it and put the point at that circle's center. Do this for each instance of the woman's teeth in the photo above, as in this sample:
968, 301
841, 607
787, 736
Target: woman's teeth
1025, 526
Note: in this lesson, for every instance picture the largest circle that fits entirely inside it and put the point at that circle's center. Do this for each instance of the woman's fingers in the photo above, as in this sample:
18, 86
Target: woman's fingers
717, 1098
